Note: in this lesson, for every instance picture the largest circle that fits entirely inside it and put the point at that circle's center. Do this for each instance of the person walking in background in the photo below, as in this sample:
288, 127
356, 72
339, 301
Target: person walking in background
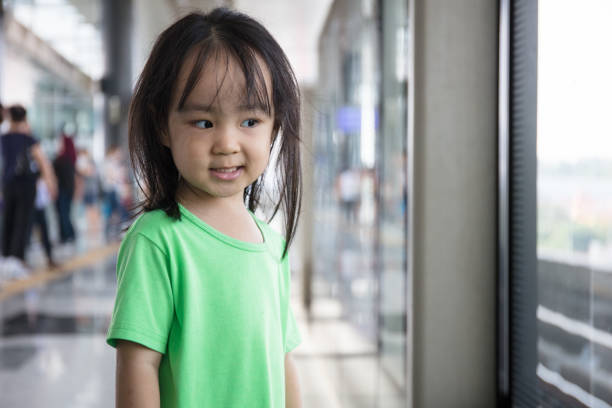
115, 187
64, 165
89, 179
23, 159
348, 186
43, 199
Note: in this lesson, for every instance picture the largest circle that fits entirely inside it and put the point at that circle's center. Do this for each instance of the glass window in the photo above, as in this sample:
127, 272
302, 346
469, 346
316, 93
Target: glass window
560, 197
345, 166
360, 179
574, 203
393, 191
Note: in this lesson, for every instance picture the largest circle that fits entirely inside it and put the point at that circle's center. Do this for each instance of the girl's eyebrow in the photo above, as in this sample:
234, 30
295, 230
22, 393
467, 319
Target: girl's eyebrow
198, 107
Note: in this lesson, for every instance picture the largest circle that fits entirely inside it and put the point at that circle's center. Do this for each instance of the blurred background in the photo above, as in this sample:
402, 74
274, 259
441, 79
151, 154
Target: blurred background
455, 245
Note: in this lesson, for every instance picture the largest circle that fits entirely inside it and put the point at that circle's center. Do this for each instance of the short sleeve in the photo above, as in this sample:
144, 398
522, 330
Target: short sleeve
292, 332
144, 306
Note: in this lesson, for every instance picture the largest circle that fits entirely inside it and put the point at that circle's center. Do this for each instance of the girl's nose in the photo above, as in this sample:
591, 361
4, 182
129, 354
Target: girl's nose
226, 141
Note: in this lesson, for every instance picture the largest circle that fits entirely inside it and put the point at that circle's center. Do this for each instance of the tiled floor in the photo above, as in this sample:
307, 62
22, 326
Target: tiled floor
53, 354
337, 366
52, 349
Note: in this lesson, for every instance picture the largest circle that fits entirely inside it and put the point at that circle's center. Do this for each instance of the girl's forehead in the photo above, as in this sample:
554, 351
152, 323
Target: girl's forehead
220, 80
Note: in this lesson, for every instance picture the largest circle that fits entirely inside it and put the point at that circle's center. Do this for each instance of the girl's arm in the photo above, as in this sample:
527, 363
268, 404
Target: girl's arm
137, 376
292, 389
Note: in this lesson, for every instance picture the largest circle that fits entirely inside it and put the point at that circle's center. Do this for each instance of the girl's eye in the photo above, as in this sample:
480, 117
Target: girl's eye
249, 123
203, 124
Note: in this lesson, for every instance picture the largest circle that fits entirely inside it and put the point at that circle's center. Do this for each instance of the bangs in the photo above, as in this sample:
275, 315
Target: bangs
255, 93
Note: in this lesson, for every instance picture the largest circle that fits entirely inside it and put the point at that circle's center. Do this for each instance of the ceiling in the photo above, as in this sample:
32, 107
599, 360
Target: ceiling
296, 25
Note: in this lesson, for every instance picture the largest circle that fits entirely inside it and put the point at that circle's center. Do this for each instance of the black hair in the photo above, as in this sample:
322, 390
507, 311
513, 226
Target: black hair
1, 113
242, 39
17, 113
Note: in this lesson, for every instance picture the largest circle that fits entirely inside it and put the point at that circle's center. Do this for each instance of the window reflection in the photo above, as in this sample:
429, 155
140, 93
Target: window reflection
393, 193
360, 176
344, 168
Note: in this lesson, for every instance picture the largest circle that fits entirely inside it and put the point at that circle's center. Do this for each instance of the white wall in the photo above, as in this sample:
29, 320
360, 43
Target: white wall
151, 17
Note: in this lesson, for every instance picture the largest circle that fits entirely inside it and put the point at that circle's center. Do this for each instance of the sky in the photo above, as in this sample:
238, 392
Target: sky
574, 80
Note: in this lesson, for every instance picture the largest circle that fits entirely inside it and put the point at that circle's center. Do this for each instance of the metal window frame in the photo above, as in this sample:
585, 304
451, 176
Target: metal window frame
517, 204
503, 237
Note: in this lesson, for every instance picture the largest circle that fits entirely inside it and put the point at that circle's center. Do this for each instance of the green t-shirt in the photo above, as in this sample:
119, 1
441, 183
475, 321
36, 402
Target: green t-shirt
217, 309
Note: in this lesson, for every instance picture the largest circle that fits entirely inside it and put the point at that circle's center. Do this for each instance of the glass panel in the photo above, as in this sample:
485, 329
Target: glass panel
360, 181
393, 191
344, 171
575, 203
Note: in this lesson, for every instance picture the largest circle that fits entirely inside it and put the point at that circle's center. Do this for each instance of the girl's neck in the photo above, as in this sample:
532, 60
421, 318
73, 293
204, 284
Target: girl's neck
228, 216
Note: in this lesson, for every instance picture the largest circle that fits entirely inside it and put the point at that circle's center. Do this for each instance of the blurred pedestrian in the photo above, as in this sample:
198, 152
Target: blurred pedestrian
348, 187
89, 179
114, 184
43, 199
23, 161
65, 169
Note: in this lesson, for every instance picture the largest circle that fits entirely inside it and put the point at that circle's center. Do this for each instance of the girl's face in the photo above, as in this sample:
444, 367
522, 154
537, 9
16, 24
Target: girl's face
219, 144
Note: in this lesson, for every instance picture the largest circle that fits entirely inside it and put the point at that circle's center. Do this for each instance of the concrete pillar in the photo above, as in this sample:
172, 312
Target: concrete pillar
454, 202
117, 82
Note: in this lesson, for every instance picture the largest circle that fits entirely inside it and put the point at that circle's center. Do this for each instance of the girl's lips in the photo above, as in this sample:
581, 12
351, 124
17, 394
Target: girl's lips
227, 173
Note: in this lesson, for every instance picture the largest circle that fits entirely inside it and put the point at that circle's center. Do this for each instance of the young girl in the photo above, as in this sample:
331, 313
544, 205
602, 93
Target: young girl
202, 315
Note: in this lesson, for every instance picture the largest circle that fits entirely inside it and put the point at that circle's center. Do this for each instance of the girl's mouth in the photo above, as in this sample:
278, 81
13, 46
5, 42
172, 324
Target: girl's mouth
227, 173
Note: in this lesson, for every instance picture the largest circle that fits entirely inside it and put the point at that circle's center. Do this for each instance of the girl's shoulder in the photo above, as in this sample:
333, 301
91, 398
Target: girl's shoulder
150, 224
